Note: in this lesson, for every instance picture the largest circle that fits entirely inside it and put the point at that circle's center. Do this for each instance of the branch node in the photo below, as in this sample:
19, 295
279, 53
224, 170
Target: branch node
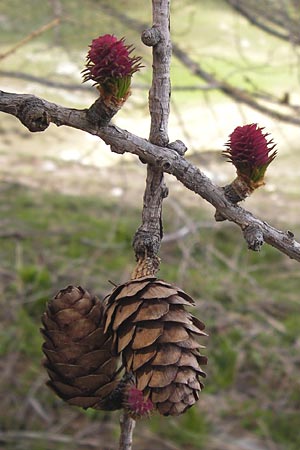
146, 243
290, 235
160, 138
33, 115
117, 149
166, 166
178, 146
235, 192
151, 36
163, 163
164, 191
254, 237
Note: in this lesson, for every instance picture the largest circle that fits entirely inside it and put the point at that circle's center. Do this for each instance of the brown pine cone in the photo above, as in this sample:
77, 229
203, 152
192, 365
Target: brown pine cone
79, 361
156, 337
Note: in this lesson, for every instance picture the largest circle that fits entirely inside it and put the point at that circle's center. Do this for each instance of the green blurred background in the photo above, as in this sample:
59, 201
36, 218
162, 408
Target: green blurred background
69, 209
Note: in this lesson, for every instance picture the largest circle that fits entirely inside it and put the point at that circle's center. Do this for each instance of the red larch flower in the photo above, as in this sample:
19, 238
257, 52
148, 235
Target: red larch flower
110, 65
136, 404
250, 152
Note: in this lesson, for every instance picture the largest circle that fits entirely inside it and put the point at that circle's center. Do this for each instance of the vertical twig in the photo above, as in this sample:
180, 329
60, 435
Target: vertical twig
127, 426
148, 237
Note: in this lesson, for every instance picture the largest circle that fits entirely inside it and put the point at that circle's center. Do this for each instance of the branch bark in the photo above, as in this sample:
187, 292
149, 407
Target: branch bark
36, 114
148, 237
127, 426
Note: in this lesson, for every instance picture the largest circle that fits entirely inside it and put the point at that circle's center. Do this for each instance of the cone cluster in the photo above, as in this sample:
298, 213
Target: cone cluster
79, 360
157, 339
144, 324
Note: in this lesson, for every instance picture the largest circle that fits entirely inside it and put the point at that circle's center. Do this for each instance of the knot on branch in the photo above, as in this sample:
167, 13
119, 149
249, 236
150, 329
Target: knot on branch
254, 237
33, 115
117, 149
151, 36
163, 163
164, 191
146, 244
290, 235
178, 146
159, 136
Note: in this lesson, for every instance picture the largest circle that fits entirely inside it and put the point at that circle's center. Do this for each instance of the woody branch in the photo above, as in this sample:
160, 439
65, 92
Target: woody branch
148, 237
37, 114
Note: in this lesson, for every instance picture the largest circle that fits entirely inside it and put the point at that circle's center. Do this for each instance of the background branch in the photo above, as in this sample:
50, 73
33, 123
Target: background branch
83, 87
31, 36
276, 18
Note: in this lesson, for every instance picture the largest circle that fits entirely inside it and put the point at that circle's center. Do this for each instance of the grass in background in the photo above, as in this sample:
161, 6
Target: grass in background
59, 239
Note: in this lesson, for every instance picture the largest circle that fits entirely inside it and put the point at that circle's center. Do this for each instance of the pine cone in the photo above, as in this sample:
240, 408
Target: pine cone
156, 337
81, 367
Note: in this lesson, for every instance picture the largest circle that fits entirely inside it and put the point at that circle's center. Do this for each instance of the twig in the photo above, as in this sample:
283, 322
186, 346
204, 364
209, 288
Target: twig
148, 237
30, 36
36, 114
127, 426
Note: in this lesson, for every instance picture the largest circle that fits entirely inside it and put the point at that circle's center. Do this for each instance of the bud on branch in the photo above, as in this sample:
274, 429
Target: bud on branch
111, 66
250, 152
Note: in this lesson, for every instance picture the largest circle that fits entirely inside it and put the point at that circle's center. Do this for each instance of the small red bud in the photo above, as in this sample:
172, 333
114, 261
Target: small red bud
250, 152
137, 405
110, 64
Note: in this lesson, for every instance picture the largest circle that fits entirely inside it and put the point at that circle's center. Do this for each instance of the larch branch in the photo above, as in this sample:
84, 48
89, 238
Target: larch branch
148, 237
36, 114
127, 426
